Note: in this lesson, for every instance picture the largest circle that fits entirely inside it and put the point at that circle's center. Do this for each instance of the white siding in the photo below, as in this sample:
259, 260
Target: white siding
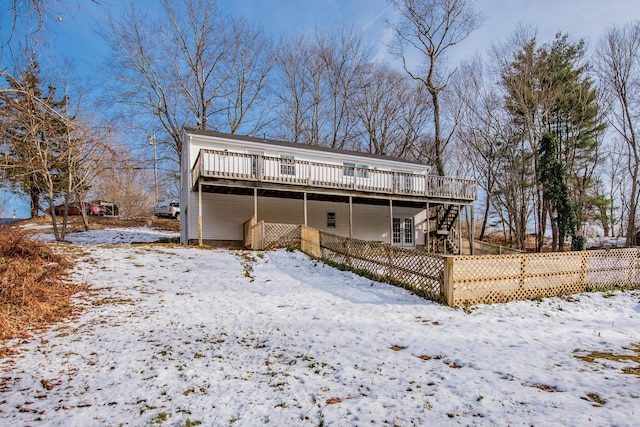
224, 215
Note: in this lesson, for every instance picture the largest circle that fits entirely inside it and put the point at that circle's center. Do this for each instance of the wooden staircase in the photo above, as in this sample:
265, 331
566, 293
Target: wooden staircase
445, 233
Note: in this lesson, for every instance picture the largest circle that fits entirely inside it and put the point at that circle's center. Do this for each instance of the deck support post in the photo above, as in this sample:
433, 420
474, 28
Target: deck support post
199, 214
428, 237
391, 222
255, 205
305, 208
460, 229
350, 217
472, 229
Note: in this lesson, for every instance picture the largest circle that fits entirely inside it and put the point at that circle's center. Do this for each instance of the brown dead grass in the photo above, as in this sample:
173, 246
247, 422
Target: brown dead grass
74, 223
593, 356
34, 290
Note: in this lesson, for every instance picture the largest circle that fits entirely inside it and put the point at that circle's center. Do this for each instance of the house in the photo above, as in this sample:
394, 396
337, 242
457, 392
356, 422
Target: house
226, 180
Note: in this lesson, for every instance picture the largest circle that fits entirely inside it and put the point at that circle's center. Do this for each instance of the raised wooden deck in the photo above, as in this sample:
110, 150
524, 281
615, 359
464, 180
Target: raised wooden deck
228, 168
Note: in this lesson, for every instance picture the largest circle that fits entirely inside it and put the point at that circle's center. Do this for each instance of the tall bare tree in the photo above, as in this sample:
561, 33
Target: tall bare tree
320, 77
194, 65
482, 132
291, 57
392, 111
618, 57
427, 29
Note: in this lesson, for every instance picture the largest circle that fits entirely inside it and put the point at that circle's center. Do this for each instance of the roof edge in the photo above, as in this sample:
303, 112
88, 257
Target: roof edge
211, 133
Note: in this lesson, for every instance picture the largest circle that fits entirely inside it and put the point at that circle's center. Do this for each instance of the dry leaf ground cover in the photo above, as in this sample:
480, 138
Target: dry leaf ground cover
34, 285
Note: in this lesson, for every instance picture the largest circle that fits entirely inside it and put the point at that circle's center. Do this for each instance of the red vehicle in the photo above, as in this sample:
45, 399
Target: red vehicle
93, 209
73, 209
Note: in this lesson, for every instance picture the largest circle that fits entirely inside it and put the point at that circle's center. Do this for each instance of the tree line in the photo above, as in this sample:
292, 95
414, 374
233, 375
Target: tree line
546, 129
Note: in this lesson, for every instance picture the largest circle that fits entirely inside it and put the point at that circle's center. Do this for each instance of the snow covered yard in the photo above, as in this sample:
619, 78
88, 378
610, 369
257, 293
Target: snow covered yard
187, 336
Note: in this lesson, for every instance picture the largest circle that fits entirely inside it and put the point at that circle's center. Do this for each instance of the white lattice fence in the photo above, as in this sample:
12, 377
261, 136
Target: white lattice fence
499, 278
618, 268
417, 271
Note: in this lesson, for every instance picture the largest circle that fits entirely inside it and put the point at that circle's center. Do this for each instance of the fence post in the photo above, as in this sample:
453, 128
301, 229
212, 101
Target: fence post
447, 290
584, 270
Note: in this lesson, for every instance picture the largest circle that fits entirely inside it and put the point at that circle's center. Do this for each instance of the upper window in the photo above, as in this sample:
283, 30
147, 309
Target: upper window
287, 165
348, 168
361, 170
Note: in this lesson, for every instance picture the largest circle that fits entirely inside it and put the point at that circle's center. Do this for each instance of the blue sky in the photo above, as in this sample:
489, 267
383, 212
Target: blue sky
75, 37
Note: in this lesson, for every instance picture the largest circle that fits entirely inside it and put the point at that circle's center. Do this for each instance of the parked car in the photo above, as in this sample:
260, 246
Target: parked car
73, 209
167, 209
94, 209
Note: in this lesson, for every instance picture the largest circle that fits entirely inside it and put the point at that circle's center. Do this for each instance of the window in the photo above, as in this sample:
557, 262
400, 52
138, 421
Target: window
362, 171
350, 167
287, 165
331, 219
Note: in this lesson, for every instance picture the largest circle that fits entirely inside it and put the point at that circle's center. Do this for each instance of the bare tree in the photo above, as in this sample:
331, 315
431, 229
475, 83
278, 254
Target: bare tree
189, 67
291, 59
320, 79
124, 181
392, 111
46, 150
250, 64
427, 29
618, 57
482, 131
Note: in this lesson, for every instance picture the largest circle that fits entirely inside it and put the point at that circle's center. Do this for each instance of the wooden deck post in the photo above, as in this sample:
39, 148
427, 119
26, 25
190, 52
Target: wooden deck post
305, 208
350, 217
199, 214
427, 242
471, 237
255, 204
460, 229
391, 222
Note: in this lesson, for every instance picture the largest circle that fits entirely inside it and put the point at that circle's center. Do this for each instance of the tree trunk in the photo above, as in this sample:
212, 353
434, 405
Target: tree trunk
438, 136
633, 201
485, 218
35, 203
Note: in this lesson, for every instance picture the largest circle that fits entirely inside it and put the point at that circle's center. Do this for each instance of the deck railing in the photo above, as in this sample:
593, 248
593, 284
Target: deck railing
252, 167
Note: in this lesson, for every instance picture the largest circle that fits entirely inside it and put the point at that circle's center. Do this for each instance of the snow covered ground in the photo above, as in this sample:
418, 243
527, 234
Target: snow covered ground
185, 336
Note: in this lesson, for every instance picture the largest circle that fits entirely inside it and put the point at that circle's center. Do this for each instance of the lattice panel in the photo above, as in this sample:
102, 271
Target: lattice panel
619, 268
500, 278
281, 236
417, 271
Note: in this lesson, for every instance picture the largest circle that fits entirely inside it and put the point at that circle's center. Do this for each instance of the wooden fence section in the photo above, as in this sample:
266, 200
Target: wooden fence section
459, 280
499, 278
310, 241
420, 272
